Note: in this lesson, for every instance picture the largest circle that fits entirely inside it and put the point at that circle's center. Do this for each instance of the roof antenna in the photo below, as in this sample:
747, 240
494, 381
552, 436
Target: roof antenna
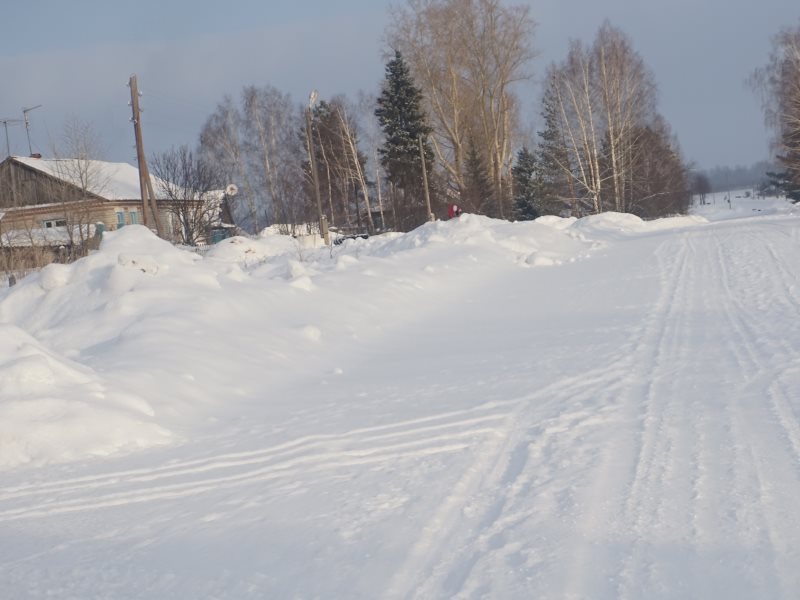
25, 112
6, 123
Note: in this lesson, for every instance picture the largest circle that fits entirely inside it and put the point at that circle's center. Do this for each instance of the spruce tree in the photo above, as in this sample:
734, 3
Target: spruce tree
477, 193
402, 119
527, 186
553, 161
782, 183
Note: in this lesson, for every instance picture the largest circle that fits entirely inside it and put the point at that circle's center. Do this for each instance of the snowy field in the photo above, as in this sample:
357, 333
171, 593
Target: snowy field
602, 408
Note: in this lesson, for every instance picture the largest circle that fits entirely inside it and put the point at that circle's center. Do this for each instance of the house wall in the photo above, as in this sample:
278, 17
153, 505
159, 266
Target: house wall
131, 213
30, 198
22, 186
35, 217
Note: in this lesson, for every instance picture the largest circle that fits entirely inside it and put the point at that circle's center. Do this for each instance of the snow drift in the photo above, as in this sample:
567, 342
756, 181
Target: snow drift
473, 409
139, 342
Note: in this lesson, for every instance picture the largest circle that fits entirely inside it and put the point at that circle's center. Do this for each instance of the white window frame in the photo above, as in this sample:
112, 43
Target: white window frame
55, 222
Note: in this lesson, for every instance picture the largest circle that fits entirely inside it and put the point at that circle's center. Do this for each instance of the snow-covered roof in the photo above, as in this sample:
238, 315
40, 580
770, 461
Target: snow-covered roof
110, 180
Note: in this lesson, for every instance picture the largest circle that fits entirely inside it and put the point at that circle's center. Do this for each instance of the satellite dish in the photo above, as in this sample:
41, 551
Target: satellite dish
231, 190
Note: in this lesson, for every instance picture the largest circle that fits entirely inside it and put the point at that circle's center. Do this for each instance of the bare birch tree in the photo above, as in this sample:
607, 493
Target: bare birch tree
779, 82
466, 55
599, 104
186, 181
341, 164
257, 147
221, 141
271, 122
347, 131
576, 102
78, 162
370, 138
627, 102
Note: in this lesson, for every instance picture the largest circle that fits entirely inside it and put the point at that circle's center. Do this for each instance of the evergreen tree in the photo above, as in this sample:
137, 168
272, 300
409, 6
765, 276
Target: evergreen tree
477, 194
557, 191
402, 119
782, 183
527, 186
779, 79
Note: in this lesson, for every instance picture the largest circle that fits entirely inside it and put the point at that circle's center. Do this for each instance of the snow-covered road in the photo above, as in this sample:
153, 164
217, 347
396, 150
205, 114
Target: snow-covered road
626, 425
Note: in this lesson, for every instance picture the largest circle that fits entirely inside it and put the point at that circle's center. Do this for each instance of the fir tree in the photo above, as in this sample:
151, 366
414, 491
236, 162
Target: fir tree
402, 119
553, 162
477, 193
527, 186
782, 183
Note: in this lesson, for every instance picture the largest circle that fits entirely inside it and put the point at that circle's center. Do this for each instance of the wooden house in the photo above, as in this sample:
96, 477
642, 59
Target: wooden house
58, 201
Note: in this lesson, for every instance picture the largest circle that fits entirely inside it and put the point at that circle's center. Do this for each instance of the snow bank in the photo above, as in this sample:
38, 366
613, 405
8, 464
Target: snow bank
183, 334
599, 226
251, 251
738, 204
515, 242
54, 410
53, 406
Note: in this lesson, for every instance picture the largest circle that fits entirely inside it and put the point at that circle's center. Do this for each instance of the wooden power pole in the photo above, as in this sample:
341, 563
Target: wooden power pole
145, 183
425, 180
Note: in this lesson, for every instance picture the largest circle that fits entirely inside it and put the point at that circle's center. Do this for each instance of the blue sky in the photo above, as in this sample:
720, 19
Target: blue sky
75, 58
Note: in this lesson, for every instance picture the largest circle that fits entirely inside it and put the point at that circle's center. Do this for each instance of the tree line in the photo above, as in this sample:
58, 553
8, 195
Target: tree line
779, 83
450, 101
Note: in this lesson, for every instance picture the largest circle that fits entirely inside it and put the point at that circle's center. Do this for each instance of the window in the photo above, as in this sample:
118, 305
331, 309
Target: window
134, 217
120, 219
50, 223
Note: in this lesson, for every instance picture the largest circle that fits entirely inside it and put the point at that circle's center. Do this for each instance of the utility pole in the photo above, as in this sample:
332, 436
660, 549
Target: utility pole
378, 184
6, 123
425, 180
145, 183
323, 220
25, 112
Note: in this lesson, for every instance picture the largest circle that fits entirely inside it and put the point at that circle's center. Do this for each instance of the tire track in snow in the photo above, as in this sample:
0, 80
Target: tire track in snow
642, 516
175, 491
350, 450
502, 499
771, 375
494, 511
751, 438
301, 445
778, 391
501, 466
712, 430
609, 487
438, 434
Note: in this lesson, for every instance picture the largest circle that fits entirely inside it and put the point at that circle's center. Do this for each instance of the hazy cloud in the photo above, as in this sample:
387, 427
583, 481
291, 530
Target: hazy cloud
193, 53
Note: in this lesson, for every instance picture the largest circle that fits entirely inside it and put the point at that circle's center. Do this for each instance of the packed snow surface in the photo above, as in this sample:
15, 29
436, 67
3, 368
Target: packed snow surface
593, 408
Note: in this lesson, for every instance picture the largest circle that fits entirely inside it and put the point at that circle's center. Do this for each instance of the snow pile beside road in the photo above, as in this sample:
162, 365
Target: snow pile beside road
610, 223
143, 316
738, 204
53, 409
520, 243
448, 413
252, 251
96, 298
